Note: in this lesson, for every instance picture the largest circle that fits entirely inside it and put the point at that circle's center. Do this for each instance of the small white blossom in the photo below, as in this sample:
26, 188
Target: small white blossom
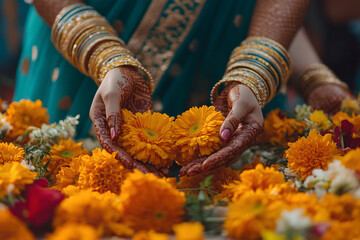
5, 125
49, 135
28, 165
293, 221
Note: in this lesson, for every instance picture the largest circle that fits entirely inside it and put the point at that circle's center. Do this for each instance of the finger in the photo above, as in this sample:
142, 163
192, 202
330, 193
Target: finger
165, 171
115, 91
97, 115
243, 138
236, 116
153, 169
185, 169
141, 167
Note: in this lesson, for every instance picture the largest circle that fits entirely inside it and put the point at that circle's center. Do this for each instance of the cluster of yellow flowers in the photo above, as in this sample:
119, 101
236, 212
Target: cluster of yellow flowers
156, 138
103, 198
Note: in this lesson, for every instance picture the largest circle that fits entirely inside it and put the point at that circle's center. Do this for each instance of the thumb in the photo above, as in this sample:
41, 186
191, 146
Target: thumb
236, 116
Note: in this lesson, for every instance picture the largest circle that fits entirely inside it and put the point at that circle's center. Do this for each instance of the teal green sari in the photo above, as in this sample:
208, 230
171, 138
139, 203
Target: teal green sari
184, 44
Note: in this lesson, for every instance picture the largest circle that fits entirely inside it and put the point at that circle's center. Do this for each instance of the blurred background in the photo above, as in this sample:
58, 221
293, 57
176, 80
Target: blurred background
332, 25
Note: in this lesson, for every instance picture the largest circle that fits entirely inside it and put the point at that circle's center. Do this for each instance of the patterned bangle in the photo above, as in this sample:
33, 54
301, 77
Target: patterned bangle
318, 75
87, 40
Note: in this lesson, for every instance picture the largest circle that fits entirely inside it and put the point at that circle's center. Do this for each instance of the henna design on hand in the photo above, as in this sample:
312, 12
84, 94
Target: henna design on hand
328, 98
122, 88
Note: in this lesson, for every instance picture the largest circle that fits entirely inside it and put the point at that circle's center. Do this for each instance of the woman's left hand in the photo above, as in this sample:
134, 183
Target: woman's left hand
244, 121
328, 98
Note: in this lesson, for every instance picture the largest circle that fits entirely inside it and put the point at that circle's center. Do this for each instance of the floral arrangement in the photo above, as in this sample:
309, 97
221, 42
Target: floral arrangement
300, 182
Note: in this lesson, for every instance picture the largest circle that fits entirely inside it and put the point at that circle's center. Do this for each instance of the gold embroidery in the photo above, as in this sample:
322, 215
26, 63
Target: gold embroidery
161, 32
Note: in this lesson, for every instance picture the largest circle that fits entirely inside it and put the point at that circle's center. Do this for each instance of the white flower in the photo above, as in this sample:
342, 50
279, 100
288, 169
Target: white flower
5, 125
357, 193
302, 112
344, 179
28, 165
49, 135
293, 221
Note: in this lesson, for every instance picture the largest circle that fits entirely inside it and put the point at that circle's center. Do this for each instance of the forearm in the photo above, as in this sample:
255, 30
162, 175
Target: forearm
303, 54
48, 9
278, 20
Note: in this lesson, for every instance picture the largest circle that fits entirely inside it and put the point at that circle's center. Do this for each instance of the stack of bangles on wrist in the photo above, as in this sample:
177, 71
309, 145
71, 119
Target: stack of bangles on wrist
318, 75
87, 41
259, 63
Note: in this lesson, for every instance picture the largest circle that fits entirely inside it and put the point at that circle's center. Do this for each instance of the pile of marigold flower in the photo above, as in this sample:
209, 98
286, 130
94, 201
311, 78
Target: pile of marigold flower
300, 182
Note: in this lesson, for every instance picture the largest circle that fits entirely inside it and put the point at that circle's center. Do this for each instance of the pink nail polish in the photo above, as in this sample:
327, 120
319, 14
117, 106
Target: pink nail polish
112, 133
225, 134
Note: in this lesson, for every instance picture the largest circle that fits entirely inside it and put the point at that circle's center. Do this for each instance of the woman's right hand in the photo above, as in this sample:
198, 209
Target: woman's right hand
122, 87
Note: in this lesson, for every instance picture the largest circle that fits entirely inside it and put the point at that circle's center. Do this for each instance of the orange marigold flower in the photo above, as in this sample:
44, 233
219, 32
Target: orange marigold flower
196, 133
280, 129
62, 155
151, 203
10, 153
69, 175
220, 176
258, 178
313, 152
338, 208
101, 211
189, 231
23, 114
301, 200
148, 138
101, 172
343, 230
252, 214
14, 176
351, 159
12, 228
150, 235
73, 231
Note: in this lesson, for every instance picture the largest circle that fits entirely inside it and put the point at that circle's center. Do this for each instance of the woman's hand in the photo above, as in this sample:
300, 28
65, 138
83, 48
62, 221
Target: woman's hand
244, 121
328, 98
122, 87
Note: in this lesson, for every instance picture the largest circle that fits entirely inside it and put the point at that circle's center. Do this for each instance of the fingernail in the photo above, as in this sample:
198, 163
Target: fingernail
225, 134
112, 132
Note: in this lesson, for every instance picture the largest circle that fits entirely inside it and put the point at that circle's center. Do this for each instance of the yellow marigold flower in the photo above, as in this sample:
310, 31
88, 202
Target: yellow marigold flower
15, 175
101, 172
196, 133
258, 178
73, 231
12, 228
320, 119
280, 129
70, 175
350, 105
351, 159
148, 138
189, 231
71, 190
101, 211
10, 153
301, 200
343, 230
313, 152
62, 155
151, 203
221, 176
23, 114
338, 208
150, 235
271, 235
252, 214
